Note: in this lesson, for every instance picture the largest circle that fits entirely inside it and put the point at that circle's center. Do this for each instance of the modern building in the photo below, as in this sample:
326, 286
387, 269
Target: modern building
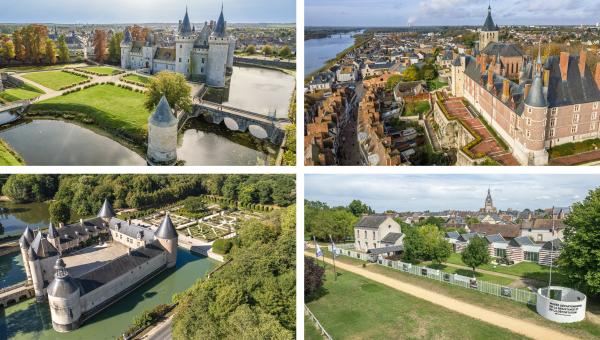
84, 267
551, 103
205, 55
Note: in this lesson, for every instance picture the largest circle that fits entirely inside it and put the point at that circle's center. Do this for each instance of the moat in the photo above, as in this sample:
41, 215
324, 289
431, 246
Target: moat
29, 320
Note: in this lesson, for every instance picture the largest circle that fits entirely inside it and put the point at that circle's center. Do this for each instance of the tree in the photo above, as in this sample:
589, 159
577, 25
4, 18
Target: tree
60, 212
337, 222
579, 258
251, 49
476, 253
429, 72
358, 208
393, 81
313, 277
267, 50
472, 220
100, 45
50, 52
8, 50
114, 47
173, 86
285, 52
17, 39
411, 73
63, 49
30, 188
248, 194
194, 204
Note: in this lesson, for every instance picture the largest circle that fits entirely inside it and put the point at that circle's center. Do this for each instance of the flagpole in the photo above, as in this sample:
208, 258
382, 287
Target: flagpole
551, 254
333, 257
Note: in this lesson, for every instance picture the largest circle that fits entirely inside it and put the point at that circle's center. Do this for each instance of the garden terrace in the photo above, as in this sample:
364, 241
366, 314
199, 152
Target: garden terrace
115, 109
136, 79
100, 70
55, 80
23, 92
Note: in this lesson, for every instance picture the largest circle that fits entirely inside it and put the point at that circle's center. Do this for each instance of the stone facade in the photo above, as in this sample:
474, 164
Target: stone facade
162, 135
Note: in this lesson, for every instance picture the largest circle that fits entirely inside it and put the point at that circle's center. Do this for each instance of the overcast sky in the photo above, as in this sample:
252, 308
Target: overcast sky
441, 192
449, 12
134, 11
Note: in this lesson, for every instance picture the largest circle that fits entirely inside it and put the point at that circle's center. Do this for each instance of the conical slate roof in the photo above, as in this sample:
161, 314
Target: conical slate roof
220, 28
62, 285
42, 247
536, 96
186, 26
166, 229
489, 25
163, 115
127, 39
31, 254
107, 210
52, 233
28, 233
23, 243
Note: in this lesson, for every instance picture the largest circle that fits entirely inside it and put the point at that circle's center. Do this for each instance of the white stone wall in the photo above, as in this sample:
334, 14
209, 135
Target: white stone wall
162, 66
26, 263
148, 56
65, 311
231, 52
217, 60
162, 143
121, 283
37, 279
125, 56
200, 58
183, 51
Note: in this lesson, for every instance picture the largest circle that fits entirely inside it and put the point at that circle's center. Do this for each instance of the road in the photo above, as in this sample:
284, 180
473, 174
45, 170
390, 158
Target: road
349, 149
504, 321
162, 331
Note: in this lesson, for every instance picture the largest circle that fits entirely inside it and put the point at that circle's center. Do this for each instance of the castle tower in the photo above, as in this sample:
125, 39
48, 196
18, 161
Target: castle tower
162, 135
40, 259
148, 52
458, 76
184, 43
534, 115
126, 49
106, 212
167, 238
35, 268
489, 32
53, 236
64, 300
218, 54
24, 243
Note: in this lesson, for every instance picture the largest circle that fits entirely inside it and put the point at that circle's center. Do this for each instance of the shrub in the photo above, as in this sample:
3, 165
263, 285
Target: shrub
222, 246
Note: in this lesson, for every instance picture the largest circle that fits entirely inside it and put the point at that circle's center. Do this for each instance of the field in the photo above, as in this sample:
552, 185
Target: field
468, 273
111, 107
354, 307
107, 71
7, 157
54, 79
20, 93
138, 79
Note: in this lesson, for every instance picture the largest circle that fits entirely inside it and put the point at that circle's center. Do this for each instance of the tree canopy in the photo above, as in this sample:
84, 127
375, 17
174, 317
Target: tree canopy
174, 87
358, 208
30, 188
476, 253
425, 243
321, 221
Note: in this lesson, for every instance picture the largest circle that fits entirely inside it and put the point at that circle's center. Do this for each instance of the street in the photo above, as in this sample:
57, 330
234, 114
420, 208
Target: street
349, 150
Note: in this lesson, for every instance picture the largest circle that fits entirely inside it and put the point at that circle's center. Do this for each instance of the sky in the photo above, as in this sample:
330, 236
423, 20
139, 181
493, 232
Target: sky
449, 12
449, 192
145, 11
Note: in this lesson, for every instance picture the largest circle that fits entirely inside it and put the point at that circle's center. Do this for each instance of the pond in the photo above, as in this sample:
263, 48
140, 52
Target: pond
16, 216
30, 320
11, 270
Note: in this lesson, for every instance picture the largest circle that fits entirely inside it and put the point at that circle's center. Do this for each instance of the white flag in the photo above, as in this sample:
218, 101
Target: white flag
319, 251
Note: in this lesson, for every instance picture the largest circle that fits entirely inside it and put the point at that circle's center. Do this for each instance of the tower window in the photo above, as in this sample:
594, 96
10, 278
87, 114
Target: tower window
576, 108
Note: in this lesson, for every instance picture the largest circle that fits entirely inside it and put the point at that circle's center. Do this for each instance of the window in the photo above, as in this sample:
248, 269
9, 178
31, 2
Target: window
594, 115
180, 46
540, 237
500, 252
531, 256
528, 133
552, 121
374, 236
365, 234
595, 106
575, 119
554, 111
357, 234
552, 132
529, 110
593, 126
179, 59
574, 129
576, 108
528, 121
390, 226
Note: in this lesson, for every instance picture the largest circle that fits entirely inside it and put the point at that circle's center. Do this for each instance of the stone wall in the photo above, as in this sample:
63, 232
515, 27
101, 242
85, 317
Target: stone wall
263, 62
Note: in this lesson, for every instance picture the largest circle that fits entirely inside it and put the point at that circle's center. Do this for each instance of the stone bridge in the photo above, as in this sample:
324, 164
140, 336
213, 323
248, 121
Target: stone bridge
259, 125
14, 294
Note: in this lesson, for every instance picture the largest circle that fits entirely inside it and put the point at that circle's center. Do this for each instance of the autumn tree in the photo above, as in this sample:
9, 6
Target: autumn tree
63, 49
7, 50
139, 33
100, 45
17, 39
50, 51
267, 50
251, 49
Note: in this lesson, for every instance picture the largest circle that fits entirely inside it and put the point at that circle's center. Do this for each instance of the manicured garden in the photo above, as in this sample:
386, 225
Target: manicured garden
22, 92
55, 80
137, 79
113, 108
569, 149
101, 70
357, 308
435, 84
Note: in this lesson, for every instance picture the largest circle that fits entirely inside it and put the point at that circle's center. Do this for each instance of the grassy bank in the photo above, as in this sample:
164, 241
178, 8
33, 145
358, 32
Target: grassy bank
569, 149
22, 92
8, 156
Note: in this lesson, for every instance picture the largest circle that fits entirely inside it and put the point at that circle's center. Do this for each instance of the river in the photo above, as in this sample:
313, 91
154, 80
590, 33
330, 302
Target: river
318, 51
30, 320
16, 216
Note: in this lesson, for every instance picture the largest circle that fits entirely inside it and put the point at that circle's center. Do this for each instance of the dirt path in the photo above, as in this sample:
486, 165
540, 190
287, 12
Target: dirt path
515, 325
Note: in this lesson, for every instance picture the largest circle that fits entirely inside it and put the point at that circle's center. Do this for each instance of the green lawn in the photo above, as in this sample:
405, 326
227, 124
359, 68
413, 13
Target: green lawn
310, 330
414, 109
113, 108
574, 148
138, 79
7, 156
108, 71
435, 84
523, 269
36, 68
54, 79
354, 307
468, 273
22, 92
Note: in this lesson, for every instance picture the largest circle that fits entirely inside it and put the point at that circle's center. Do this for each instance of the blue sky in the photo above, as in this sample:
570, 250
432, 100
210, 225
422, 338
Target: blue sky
441, 192
449, 12
133, 11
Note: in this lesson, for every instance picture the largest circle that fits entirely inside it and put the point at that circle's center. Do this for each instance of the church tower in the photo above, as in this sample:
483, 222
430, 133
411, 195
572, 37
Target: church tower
489, 32
184, 44
162, 135
489, 204
218, 54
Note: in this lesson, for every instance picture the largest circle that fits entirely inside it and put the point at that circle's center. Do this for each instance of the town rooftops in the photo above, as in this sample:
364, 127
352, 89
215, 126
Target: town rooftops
521, 241
543, 224
496, 238
468, 236
391, 238
453, 235
505, 230
371, 221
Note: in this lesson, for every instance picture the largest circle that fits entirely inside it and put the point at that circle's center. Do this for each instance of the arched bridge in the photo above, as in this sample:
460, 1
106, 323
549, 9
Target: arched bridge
17, 293
259, 125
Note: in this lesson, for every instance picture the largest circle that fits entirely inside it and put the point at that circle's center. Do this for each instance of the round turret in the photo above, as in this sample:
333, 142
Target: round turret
167, 236
218, 54
162, 135
64, 298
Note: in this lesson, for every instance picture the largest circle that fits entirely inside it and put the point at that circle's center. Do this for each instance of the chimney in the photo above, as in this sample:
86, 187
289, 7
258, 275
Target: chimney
597, 75
81, 221
527, 88
490, 80
564, 65
505, 90
493, 62
546, 78
482, 64
582, 60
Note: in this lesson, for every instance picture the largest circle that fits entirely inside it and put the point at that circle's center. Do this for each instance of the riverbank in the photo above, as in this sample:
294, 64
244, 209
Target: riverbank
359, 40
8, 156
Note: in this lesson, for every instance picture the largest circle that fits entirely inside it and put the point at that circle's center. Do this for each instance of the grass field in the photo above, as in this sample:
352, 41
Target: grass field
138, 79
7, 156
22, 92
574, 148
310, 330
111, 107
584, 329
108, 71
468, 273
54, 79
528, 270
354, 307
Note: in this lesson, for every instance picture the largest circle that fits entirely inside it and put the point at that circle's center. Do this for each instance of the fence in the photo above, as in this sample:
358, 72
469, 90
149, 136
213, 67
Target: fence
516, 294
320, 327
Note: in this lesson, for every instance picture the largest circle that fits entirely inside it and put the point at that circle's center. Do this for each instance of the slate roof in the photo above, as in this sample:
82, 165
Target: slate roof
166, 229
521, 241
73, 231
555, 244
23, 243
503, 50
28, 234
467, 237
384, 250
391, 238
115, 268
542, 224
456, 61
132, 230
453, 235
62, 285
220, 28
505, 230
127, 38
536, 96
137, 46
496, 238
576, 89
186, 26
488, 25
107, 210
372, 221
163, 115
41, 247
52, 233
